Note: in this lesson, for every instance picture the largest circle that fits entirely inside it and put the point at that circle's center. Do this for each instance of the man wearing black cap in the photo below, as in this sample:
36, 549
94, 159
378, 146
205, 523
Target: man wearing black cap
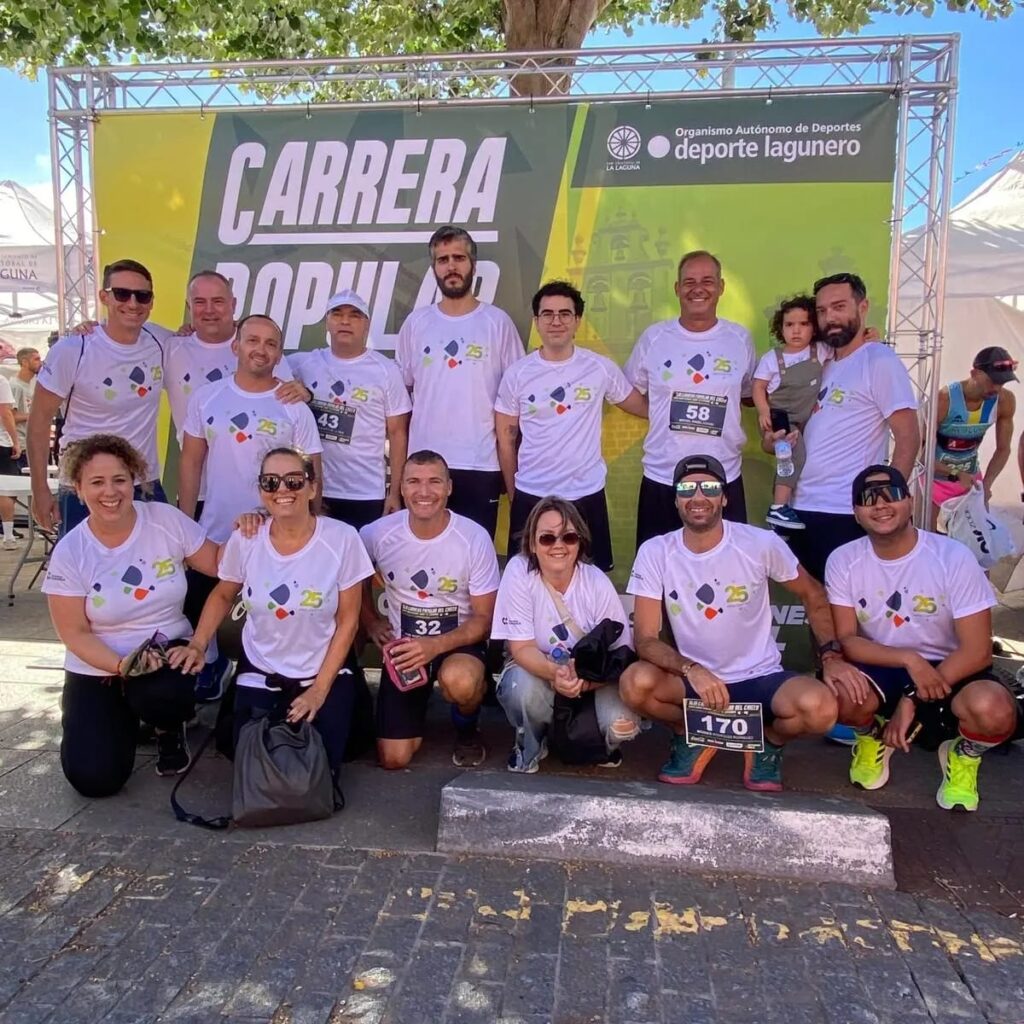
913, 610
965, 410
713, 578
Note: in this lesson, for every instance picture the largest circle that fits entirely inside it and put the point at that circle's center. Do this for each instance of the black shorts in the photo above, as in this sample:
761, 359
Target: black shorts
356, 513
936, 717
656, 511
758, 690
823, 533
592, 507
9, 466
401, 716
475, 495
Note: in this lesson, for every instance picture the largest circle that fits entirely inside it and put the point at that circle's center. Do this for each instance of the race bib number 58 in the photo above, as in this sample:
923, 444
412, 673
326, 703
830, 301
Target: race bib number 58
693, 413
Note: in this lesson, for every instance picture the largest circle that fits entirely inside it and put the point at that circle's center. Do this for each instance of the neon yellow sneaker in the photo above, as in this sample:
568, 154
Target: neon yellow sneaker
959, 778
869, 766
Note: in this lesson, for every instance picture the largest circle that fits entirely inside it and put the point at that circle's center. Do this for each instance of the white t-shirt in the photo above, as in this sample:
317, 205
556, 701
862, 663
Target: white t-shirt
352, 400
454, 364
847, 431
560, 407
191, 364
115, 389
768, 365
131, 591
23, 392
718, 601
694, 383
291, 600
428, 583
525, 609
909, 602
6, 398
239, 427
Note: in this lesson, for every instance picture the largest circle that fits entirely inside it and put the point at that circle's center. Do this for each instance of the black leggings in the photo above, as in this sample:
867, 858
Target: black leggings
100, 723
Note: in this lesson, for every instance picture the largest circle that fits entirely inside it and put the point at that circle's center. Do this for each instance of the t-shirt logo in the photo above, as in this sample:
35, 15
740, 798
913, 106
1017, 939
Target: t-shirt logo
311, 599
893, 605
837, 397
582, 394
237, 424
360, 394
723, 365
706, 599
924, 605
475, 351
695, 368
737, 593
267, 427
279, 598
132, 580
164, 568
447, 585
558, 402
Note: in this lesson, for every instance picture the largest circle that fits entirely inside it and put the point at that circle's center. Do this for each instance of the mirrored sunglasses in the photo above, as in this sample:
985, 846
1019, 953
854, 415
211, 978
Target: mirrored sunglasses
889, 493
709, 488
270, 483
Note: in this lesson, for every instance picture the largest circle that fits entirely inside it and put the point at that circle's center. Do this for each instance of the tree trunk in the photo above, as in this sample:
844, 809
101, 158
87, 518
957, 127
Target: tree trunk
547, 25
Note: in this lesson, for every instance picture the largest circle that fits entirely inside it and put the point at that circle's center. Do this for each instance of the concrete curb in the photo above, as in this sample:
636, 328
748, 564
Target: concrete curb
812, 839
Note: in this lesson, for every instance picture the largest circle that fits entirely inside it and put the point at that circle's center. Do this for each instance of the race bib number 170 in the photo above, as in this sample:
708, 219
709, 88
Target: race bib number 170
738, 727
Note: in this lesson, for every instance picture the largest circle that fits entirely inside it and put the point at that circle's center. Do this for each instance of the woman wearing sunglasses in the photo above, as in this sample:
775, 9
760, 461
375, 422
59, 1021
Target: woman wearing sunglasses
549, 597
301, 577
114, 582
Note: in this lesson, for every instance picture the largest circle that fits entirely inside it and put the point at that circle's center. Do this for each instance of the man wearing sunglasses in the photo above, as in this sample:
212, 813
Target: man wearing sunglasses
555, 398
231, 424
913, 609
108, 380
965, 411
696, 371
712, 577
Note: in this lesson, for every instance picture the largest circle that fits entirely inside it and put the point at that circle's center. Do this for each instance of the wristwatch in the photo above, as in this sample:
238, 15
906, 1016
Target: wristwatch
830, 647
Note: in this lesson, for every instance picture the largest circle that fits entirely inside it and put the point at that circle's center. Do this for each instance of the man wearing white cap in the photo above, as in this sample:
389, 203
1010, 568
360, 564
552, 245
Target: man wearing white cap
359, 402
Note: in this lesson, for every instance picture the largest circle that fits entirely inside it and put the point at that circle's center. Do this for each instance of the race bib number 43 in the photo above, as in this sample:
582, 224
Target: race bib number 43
334, 422
738, 727
693, 413
428, 621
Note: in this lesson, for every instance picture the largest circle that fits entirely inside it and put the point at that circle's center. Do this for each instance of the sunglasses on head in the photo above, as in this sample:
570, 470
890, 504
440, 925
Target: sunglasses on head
271, 482
144, 296
1000, 365
872, 494
547, 540
709, 488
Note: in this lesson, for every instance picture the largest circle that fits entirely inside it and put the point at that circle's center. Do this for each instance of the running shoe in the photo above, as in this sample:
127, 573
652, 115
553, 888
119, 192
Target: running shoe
686, 763
614, 759
841, 734
469, 751
959, 778
516, 763
869, 764
172, 753
212, 679
762, 772
783, 517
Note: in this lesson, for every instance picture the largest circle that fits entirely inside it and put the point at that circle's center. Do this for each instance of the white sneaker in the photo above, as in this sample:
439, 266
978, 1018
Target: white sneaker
10, 544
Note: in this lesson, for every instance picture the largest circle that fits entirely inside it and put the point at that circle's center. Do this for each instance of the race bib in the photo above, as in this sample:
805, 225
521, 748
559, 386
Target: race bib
693, 413
738, 727
428, 621
334, 422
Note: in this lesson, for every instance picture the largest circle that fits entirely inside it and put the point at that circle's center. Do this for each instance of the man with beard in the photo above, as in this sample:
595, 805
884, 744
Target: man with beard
914, 611
696, 371
452, 356
713, 576
866, 393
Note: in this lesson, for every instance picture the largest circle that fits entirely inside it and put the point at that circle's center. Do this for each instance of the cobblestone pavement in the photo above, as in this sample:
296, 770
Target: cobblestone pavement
205, 929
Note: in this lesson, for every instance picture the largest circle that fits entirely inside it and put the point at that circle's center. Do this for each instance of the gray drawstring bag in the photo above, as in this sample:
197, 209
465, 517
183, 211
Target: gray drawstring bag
281, 775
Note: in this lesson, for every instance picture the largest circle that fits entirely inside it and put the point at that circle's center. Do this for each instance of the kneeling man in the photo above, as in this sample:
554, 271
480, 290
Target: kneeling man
914, 610
713, 578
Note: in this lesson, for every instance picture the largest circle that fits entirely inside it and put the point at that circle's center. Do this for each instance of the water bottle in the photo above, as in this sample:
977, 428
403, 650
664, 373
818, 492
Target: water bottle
784, 458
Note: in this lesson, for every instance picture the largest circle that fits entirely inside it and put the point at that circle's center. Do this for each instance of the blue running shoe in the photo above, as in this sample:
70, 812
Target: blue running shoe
212, 680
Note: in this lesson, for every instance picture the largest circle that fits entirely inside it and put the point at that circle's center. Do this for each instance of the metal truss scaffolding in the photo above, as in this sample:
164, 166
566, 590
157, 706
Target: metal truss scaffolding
919, 70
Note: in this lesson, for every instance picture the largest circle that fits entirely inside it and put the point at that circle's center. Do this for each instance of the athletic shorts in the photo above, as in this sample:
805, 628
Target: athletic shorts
9, 466
592, 507
475, 495
758, 690
823, 533
356, 513
401, 715
656, 511
937, 720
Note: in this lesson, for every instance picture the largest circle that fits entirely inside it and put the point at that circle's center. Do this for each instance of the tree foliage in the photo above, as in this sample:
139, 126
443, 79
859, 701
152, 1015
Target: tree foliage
34, 33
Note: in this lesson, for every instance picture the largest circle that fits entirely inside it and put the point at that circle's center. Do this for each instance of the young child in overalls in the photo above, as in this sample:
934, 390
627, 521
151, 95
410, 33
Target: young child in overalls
788, 379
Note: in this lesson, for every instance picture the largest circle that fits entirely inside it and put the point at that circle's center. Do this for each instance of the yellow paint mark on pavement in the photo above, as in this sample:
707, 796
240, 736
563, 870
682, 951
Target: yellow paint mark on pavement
671, 923
901, 932
638, 921
522, 912
781, 930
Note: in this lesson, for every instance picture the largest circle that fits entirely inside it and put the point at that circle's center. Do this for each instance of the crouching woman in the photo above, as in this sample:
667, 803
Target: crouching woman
301, 578
114, 582
550, 596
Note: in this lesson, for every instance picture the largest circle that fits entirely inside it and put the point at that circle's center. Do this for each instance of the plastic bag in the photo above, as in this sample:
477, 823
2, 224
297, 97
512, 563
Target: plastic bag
967, 520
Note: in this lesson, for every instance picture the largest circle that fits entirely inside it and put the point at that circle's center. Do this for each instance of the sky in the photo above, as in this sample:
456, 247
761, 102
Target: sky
988, 118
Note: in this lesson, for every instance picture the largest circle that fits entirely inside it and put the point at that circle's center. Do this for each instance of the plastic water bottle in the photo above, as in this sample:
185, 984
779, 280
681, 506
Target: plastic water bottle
784, 458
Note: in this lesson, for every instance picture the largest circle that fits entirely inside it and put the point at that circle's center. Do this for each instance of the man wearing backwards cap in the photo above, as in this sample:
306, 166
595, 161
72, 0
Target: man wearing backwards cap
360, 402
965, 411
913, 610
713, 578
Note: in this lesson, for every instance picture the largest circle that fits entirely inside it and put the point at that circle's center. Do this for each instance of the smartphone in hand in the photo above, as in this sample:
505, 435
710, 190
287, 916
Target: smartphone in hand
407, 680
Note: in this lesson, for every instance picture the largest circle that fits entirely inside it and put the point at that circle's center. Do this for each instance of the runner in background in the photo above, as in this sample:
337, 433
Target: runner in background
452, 356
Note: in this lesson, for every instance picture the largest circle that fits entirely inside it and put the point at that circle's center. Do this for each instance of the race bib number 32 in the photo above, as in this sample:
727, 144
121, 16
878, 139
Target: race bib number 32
428, 621
693, 413
334, 422
738, 727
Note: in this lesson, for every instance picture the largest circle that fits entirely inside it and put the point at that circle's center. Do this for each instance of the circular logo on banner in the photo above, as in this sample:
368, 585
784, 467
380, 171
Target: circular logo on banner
624, 142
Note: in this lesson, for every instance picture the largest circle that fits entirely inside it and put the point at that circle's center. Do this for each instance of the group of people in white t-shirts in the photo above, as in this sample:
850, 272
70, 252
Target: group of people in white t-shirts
365, 469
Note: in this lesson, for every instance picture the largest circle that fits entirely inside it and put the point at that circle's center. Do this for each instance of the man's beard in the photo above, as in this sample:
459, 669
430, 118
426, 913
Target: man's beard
705, 527
847, 332
450, 291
